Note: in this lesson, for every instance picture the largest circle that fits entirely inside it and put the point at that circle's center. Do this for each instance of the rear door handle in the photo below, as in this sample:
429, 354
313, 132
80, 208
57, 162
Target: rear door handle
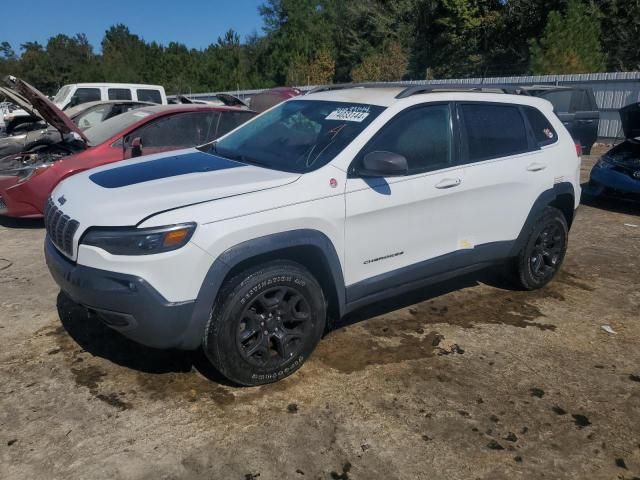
536, 167
448, 183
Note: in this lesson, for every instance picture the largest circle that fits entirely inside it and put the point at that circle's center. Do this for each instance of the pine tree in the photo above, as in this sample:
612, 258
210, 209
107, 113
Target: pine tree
570, 42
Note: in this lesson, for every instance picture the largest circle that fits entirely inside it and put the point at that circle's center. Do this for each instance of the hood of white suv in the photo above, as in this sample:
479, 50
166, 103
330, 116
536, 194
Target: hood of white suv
127, 192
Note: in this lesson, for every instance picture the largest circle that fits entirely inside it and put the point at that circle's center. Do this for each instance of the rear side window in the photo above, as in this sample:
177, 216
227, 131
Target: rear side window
422, 135
561, 100
543, 132
231, 120
493, 131
84, 95
580, 101
119, 94
148, 95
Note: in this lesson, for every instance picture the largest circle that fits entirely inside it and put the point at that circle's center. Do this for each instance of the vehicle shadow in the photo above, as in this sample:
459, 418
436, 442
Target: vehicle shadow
611, 204
21, 223
492, 276
99, 340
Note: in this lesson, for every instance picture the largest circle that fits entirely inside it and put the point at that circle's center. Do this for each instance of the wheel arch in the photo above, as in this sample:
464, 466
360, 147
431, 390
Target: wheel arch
310, 248
561, 196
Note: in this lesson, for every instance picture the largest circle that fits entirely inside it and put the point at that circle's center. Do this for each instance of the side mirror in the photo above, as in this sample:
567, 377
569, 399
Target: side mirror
383, 164
136, 147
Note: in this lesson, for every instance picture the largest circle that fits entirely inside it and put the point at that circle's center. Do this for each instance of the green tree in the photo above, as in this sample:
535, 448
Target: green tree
621, 31
385, 66
570, 43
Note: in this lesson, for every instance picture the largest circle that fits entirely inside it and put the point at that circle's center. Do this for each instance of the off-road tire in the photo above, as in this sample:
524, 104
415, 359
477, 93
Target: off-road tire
240, 309
547, 243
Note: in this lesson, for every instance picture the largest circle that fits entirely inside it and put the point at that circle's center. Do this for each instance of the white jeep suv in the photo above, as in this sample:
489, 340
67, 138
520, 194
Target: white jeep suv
323, 204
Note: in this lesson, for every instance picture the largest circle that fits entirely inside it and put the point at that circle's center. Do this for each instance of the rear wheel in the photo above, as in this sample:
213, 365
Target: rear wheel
266, 323
541, 257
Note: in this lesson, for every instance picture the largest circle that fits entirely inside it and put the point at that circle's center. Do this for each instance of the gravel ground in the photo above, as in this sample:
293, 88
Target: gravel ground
469, 380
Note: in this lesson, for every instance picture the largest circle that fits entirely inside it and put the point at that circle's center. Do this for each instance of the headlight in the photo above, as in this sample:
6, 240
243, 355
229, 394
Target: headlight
140, 241
604, 162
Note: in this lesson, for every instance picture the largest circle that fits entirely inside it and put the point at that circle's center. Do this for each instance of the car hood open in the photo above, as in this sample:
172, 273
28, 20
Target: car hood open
47, 110
630, 117
126, 193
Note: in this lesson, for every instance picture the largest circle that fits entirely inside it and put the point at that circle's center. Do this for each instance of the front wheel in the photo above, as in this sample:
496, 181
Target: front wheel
266, 323
541, 257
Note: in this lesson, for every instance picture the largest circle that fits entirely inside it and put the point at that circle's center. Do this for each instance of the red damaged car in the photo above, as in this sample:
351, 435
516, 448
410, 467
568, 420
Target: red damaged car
27, 178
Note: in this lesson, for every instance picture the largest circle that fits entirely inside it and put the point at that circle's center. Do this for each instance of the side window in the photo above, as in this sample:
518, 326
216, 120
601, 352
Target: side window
119, 94
580, 101
543, 132
148, 95
231, 120
92, 117
179, 130
422, 135
493, 131
561, 100
84, 95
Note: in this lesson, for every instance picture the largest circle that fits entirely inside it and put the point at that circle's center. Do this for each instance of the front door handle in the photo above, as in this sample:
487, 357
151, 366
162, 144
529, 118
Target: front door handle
536, 167
448, 183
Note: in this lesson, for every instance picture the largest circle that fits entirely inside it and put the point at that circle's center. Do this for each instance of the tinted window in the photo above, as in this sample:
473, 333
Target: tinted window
298, 135
422, 135
145, 95
84, 95
580, 101
560, 99
543, 132
179, 130
231, 120
119, 94
493, 131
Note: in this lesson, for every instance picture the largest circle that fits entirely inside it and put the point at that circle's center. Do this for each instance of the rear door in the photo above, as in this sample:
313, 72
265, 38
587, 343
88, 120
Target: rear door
505, 171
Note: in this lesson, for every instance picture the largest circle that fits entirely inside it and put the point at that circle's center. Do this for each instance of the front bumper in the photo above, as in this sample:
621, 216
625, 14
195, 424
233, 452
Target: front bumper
125, 303
608, 178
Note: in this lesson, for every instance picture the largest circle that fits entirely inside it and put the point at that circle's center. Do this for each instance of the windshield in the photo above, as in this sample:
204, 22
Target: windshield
62, 94
105, 130
297, 136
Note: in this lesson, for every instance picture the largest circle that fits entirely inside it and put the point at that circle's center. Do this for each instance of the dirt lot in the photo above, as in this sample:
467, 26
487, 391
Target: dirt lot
537, 389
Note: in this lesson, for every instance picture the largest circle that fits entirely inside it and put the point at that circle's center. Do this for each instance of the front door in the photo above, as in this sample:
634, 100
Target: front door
395, 223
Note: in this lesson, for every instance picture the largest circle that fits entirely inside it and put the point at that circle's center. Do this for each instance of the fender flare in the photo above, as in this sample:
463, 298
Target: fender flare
544, 200
272, 243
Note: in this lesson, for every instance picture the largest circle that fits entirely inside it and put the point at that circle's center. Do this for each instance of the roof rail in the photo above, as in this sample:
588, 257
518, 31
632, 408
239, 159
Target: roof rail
461, 87
343, 86
409, 89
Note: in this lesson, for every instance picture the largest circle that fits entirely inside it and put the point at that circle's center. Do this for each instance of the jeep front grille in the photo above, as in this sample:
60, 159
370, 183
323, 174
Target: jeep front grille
60, 227
2, 204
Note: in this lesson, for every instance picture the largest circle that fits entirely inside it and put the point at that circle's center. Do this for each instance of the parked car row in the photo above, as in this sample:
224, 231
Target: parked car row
115, 130
261, 227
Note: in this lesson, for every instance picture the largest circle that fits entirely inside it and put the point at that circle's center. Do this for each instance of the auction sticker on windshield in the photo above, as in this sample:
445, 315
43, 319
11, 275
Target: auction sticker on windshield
349, 114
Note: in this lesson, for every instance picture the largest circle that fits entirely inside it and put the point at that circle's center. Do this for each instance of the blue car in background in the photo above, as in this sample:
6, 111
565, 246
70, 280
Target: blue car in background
618, 171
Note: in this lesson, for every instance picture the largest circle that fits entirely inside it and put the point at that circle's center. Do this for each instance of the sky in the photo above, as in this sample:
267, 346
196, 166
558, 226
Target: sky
196, 23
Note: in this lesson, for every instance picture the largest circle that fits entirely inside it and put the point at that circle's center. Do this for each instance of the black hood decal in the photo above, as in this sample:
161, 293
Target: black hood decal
164, 167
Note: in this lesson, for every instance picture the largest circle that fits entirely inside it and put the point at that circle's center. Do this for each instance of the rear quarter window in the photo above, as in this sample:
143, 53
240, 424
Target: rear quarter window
119, 94
493, 131
543, 132
149, 95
